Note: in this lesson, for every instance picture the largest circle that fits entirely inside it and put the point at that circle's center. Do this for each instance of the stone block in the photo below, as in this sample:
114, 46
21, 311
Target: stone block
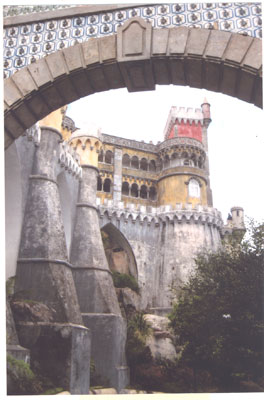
24, 115
40, 72
8, 140
197, 41
24, 81
177, 40
56, 63
38, 106
160, 42
97, 79
108, 347
253, 58
113, 76
107, 48
67, 90
177, 69
52, 97
212, 75
161, 71
11, 92
62, 352
246, 85
13, 125
134, 40
138, 76
91, 52
194, 70
81, 83
216, 45
237, 48
73, 57
229, 79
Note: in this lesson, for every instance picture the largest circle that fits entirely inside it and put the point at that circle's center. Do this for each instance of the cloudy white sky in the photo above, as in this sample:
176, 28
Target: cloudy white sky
236, 136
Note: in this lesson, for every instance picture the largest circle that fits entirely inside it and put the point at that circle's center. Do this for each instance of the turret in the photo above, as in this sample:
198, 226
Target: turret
206, 112
184, 171
87, 143
238, 217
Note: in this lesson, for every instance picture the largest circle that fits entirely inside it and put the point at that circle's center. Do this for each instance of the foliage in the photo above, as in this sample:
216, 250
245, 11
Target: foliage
138, 329
124, 280
20, 377
219, 319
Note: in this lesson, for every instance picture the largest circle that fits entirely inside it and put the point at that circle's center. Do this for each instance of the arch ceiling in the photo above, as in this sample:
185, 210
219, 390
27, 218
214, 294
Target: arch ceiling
137, 57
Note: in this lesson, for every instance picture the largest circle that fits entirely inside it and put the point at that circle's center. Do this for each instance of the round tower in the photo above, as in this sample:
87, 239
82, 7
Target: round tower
238, 217
184, 174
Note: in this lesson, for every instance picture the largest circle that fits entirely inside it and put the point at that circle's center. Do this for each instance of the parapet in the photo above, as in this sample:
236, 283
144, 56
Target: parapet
179, 213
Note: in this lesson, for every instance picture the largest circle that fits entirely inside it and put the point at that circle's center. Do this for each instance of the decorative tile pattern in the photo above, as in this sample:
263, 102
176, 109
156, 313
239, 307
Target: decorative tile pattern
25, 44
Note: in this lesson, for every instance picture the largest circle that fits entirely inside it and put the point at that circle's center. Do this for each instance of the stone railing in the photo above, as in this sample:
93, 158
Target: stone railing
169, 214
180, 141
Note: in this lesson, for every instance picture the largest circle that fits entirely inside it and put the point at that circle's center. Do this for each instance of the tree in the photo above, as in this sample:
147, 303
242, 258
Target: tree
219, 318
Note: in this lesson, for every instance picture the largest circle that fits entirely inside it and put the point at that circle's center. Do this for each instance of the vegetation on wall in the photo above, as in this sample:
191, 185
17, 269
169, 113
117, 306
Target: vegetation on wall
219, 318
125, 280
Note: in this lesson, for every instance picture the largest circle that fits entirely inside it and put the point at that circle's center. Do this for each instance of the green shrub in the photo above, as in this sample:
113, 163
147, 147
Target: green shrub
124, 280
21, 379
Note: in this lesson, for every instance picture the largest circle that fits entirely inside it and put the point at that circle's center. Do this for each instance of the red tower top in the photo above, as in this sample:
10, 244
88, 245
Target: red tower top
187, 122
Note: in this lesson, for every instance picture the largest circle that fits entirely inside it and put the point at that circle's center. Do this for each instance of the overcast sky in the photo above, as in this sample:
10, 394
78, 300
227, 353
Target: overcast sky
236, 136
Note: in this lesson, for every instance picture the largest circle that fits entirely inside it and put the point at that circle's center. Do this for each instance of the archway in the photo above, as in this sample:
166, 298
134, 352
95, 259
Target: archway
215, 60
118, 251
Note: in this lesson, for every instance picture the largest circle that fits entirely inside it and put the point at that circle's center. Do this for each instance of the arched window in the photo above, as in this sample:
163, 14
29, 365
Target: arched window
126, 160
134, 190
108, 157
143, 192
152, 193
144, 164
125, 188
101, 156
152, 166
99, 183
134, 162
194, 188
107, 185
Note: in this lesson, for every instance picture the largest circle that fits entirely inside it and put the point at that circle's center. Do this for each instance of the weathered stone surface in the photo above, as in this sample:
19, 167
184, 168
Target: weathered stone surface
40, 72
42, 271
73, 57
160, 42
108, 349
61, 352
160, 341
197, 41
237, 48
253, 58
134, 40
178, 40
32, 311
216, 45
107, 48
91, 52
91, 272
24, 81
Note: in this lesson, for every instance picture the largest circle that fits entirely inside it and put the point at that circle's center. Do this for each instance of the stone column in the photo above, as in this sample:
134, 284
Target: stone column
117, 175
93, 279
92, 276
43, 271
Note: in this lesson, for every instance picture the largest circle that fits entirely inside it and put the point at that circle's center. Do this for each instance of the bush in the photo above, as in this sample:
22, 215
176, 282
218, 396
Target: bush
124, 280
21, 379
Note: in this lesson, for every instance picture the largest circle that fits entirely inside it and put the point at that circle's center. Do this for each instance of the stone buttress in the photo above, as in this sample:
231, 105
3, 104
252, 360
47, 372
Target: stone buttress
96, 293
44, 277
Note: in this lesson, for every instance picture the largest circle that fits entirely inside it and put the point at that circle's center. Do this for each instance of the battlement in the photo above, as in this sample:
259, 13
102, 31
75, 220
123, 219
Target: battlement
168, 213
186, 121
70, 160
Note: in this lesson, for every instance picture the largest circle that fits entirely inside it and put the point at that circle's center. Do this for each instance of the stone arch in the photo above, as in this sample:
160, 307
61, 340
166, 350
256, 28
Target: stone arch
126, 160
144, 164
108, 157
134, 190
152, 166
118, 251
107, 185
135, 162
143, 192
125, 188
211, 59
